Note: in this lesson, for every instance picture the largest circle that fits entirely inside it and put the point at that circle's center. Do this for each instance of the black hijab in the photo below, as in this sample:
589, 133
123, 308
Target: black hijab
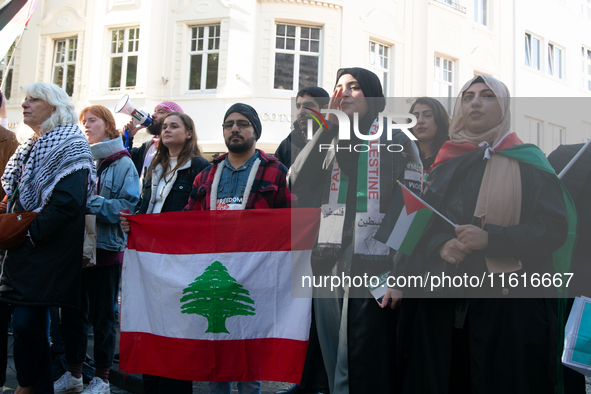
348, 160
371, 87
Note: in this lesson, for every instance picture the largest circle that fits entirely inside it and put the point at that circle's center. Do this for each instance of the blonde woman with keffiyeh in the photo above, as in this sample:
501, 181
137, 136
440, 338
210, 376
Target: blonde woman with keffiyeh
53, 174
512, 217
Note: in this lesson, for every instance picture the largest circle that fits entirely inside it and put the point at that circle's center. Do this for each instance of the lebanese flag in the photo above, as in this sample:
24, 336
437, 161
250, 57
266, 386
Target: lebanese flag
404, 222
217, 295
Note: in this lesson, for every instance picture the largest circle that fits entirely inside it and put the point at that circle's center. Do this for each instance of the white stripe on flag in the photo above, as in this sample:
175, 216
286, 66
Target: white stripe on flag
400, 229
153, 286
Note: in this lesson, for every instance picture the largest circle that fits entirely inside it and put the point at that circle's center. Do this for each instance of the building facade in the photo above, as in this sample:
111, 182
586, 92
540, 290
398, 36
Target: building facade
208, 54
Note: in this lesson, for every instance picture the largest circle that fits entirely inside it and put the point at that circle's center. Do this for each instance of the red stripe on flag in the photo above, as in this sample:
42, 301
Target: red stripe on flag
411, 202
235, 360
211, 231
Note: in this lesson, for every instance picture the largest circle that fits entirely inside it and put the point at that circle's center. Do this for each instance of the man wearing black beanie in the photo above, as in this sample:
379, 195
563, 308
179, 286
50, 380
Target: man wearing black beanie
248, 177
243, 178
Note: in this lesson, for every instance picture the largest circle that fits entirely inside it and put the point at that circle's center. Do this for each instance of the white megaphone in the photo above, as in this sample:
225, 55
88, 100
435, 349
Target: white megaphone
139, 117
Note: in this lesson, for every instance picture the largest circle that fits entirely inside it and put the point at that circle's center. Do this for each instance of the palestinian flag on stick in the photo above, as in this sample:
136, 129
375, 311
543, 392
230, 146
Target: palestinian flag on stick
405, 221
207, 296
14, 17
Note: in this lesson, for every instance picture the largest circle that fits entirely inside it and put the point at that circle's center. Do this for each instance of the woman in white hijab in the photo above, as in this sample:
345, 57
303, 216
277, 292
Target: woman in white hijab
512, 217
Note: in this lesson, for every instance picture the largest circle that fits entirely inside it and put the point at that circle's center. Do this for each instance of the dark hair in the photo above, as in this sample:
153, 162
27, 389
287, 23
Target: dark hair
190, 148
441, 121
319, 95
478, 79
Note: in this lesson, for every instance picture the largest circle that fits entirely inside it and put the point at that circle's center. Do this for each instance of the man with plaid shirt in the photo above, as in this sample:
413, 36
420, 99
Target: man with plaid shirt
245, 177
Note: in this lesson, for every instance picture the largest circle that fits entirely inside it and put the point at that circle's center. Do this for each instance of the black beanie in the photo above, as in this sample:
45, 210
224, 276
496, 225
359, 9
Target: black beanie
251, 115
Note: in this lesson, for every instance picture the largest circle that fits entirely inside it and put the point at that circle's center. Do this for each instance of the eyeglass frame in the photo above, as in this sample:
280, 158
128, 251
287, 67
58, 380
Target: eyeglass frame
235, 122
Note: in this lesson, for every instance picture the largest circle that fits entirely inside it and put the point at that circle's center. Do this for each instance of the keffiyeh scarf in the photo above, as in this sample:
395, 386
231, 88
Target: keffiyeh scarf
40, 163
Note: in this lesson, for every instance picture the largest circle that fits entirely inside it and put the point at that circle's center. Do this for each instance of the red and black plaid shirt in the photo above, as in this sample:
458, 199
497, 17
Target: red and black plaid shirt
269, 189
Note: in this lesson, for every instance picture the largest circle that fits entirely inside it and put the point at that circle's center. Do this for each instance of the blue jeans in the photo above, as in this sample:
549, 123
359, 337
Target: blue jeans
98, 301
253, 387
31, 348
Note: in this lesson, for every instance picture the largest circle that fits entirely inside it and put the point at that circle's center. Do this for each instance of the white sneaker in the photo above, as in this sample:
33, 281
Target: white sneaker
97, 386
68, 384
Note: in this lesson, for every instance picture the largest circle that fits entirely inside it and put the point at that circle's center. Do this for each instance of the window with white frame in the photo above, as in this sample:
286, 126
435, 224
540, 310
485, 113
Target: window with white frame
379, 63
124, 53
64, 64
443, 81
204, 56
6, 72
481, 12
555, 60
556, 138
586, 8
297, 57
586, 54
532, 51
536, 132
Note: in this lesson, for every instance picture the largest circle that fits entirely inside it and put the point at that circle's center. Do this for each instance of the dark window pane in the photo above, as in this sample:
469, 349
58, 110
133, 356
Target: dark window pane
130, 46
120, 47
70, 80
284, 71
193, 45
316, 34
315, 46
137, 33
195, 72
281, 30
200, 44
211, 31
201, 32
194, 32
72, 54
113, 47
308, 71
212, 71
291, 31
59, 57
280, 43
115, 72
58, 75
131, 34
290, 44
8, 85
217, 43
131, 71
305, 32
305, 45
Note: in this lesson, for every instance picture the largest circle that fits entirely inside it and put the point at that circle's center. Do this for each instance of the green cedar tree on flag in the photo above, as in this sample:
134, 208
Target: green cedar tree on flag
218, 295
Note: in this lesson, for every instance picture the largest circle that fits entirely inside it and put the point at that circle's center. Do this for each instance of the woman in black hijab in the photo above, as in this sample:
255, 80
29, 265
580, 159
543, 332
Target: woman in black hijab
357, 181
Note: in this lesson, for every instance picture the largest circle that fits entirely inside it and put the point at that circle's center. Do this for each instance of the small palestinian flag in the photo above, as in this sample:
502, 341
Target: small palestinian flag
405, 221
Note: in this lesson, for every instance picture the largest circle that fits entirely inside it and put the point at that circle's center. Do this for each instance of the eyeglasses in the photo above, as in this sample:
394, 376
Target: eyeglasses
242, 124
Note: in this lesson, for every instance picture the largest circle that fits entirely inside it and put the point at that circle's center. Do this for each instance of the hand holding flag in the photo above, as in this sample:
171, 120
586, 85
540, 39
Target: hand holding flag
405, 221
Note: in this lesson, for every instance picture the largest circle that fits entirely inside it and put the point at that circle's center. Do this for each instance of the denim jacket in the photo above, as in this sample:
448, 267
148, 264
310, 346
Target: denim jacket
120, 189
